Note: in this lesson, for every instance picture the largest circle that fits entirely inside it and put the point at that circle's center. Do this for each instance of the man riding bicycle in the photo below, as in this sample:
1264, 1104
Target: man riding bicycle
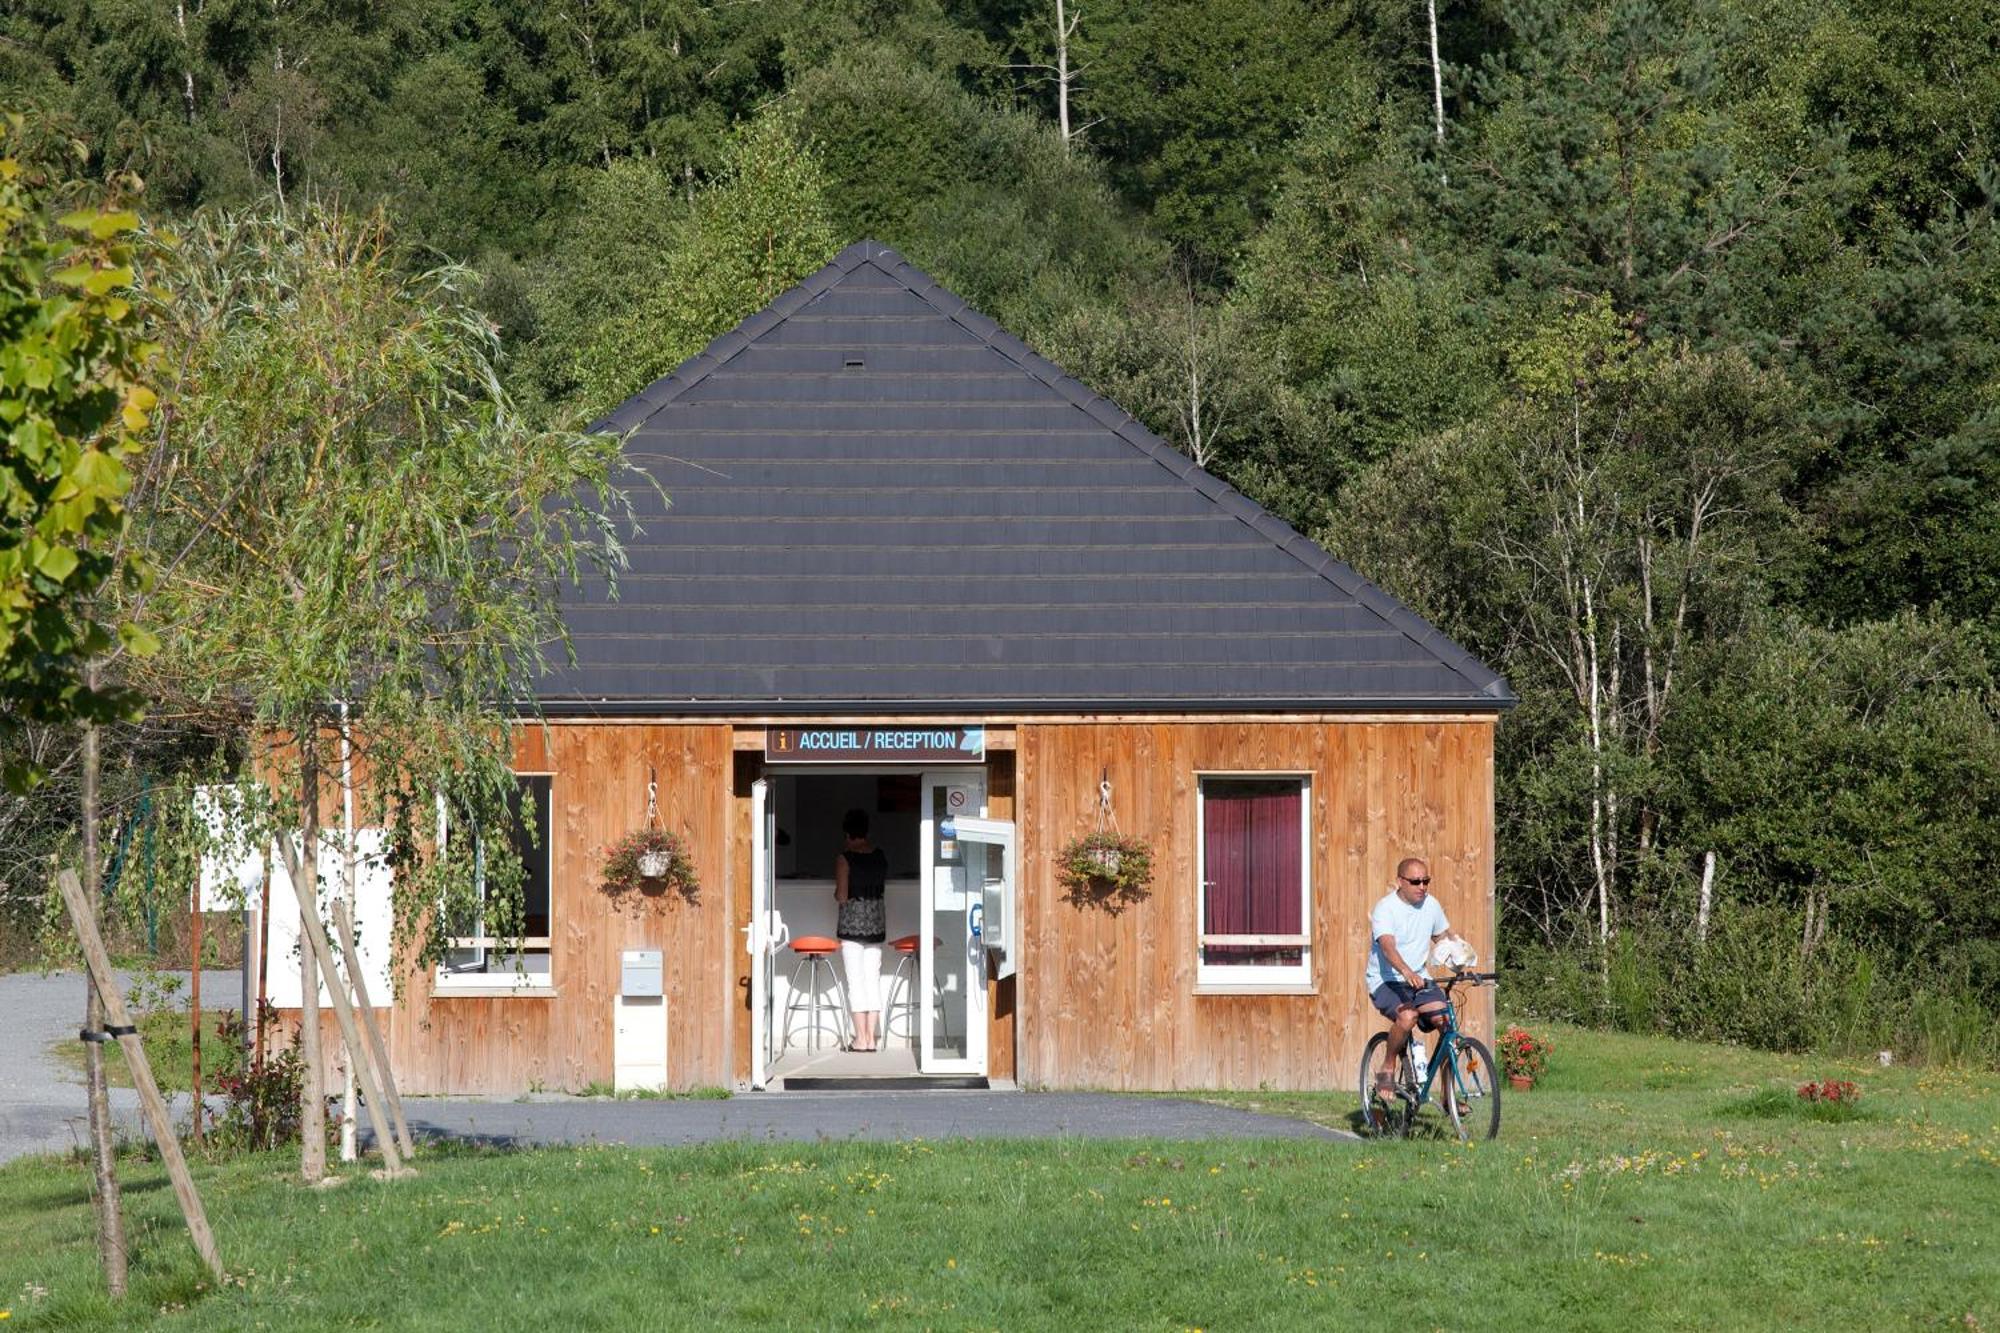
1402, 927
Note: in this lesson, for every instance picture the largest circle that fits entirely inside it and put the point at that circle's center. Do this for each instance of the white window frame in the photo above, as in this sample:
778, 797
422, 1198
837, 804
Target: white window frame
515, 981
1254, 978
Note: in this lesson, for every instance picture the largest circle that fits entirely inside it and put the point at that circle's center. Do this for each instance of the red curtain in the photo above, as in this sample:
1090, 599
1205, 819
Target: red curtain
1250, 835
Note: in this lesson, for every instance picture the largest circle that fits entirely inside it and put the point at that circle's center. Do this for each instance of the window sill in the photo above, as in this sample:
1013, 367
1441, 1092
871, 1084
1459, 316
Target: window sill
1252, 988
501, 990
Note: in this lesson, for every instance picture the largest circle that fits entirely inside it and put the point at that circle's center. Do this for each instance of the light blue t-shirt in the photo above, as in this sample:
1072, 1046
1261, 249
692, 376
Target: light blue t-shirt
1414, 929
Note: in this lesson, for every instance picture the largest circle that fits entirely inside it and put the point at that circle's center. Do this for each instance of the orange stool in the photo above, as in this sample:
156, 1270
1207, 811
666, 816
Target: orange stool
815, 955
902, 1003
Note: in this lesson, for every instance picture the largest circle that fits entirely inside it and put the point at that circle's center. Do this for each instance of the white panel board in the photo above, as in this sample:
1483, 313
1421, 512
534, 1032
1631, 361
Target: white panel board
639, 1043
233, 867
372, 916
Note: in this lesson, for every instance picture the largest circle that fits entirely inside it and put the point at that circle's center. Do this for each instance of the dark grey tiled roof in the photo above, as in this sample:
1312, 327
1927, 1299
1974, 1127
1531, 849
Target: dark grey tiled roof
881, 501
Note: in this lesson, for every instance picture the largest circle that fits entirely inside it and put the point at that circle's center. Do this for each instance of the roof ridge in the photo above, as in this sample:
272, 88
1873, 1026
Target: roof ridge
722, 348
636, 410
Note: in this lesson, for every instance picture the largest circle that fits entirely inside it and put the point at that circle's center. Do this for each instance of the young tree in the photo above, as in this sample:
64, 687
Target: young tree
74, 400
73, 360
1048, 36
1618, 513
759, 229
356, 513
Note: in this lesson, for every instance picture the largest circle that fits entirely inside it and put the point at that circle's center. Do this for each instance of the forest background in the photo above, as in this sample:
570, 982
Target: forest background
1649, 348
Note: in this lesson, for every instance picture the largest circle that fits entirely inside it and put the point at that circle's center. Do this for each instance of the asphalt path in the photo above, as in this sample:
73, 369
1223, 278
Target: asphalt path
818, 1117
42, 1106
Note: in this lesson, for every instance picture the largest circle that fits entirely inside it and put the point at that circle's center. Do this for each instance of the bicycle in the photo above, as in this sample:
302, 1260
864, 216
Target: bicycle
1470, 1089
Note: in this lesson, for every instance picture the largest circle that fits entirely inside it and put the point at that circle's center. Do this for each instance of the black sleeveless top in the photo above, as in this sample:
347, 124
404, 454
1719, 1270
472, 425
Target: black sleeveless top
867, 872
863, 917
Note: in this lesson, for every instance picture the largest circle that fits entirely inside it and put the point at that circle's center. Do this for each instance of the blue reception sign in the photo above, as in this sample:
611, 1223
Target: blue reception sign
846, 743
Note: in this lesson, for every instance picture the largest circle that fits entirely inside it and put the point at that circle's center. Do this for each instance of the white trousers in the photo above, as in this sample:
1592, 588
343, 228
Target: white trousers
863, 965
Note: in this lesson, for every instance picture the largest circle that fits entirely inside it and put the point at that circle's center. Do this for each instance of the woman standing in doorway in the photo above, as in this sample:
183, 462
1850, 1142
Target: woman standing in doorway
859, 874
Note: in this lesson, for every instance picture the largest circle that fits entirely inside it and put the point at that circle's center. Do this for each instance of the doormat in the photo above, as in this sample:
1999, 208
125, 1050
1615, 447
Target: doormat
892, 1083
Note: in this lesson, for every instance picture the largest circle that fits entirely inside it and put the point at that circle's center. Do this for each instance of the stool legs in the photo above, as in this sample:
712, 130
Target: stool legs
806, 1000
900, 1000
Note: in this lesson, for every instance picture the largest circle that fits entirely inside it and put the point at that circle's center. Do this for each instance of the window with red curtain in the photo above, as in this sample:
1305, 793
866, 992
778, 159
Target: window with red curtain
1253, 869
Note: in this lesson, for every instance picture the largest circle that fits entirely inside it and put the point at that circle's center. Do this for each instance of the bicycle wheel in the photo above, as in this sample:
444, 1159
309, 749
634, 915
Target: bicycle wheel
1470, 1089
1387, 1119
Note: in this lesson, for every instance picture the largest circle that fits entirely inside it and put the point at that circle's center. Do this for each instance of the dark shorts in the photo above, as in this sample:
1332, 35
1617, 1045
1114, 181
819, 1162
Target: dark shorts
1393, 995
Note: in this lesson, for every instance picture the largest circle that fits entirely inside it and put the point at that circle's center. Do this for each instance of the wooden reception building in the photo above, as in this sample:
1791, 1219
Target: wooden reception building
912, 568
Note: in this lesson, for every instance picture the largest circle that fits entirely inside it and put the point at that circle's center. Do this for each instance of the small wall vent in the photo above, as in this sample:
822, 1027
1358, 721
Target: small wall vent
855, 363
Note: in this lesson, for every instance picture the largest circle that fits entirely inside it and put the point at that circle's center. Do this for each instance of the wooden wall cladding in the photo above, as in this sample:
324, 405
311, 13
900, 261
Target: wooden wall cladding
1109, 1000
509, 1044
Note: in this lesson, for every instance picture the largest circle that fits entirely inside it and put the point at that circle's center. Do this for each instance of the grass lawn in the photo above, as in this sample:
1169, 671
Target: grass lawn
169, 1038
1634, 1190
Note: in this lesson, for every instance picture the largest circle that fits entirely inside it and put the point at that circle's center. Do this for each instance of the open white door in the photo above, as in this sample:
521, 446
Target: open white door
988, 845
766, 931
951, 937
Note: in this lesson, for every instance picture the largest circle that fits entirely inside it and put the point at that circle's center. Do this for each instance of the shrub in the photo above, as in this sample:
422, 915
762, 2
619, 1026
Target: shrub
261, 1102
1781, 1104
1832, 1092
1748, 985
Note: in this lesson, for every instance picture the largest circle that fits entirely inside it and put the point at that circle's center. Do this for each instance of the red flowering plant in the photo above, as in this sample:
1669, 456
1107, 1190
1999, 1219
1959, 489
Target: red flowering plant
1829, 1092
1523, 1054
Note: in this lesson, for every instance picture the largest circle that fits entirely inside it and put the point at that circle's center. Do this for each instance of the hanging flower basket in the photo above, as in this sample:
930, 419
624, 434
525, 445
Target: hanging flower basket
1105, 869
650, 860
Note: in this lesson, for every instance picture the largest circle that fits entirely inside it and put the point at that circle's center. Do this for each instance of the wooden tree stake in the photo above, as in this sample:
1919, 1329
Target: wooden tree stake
314, 934
142, 1072
343, 921
194, 930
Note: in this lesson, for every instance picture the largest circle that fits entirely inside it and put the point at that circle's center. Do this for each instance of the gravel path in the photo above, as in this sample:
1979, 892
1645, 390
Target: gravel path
42, 1105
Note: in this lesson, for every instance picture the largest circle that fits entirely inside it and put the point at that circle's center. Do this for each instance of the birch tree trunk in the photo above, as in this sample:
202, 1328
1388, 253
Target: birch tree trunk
278, 136
1063, 27
187, 55
1437, 69
1707, 896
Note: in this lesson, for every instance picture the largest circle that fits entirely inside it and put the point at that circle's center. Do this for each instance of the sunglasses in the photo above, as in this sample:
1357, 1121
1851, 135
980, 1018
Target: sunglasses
1420, 883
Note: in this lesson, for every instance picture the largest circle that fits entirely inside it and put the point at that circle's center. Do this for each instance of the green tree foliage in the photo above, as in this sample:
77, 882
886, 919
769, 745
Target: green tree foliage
1858, 769
1381, 334
760, 228
1593, 569
1905, 350
986, 201
357, 513
1670, 259
1194, 101
1604, 158
74, 403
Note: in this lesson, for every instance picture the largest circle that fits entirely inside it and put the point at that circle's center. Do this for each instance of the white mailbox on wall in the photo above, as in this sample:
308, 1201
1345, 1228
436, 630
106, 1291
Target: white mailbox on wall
639, 1023
640, 973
